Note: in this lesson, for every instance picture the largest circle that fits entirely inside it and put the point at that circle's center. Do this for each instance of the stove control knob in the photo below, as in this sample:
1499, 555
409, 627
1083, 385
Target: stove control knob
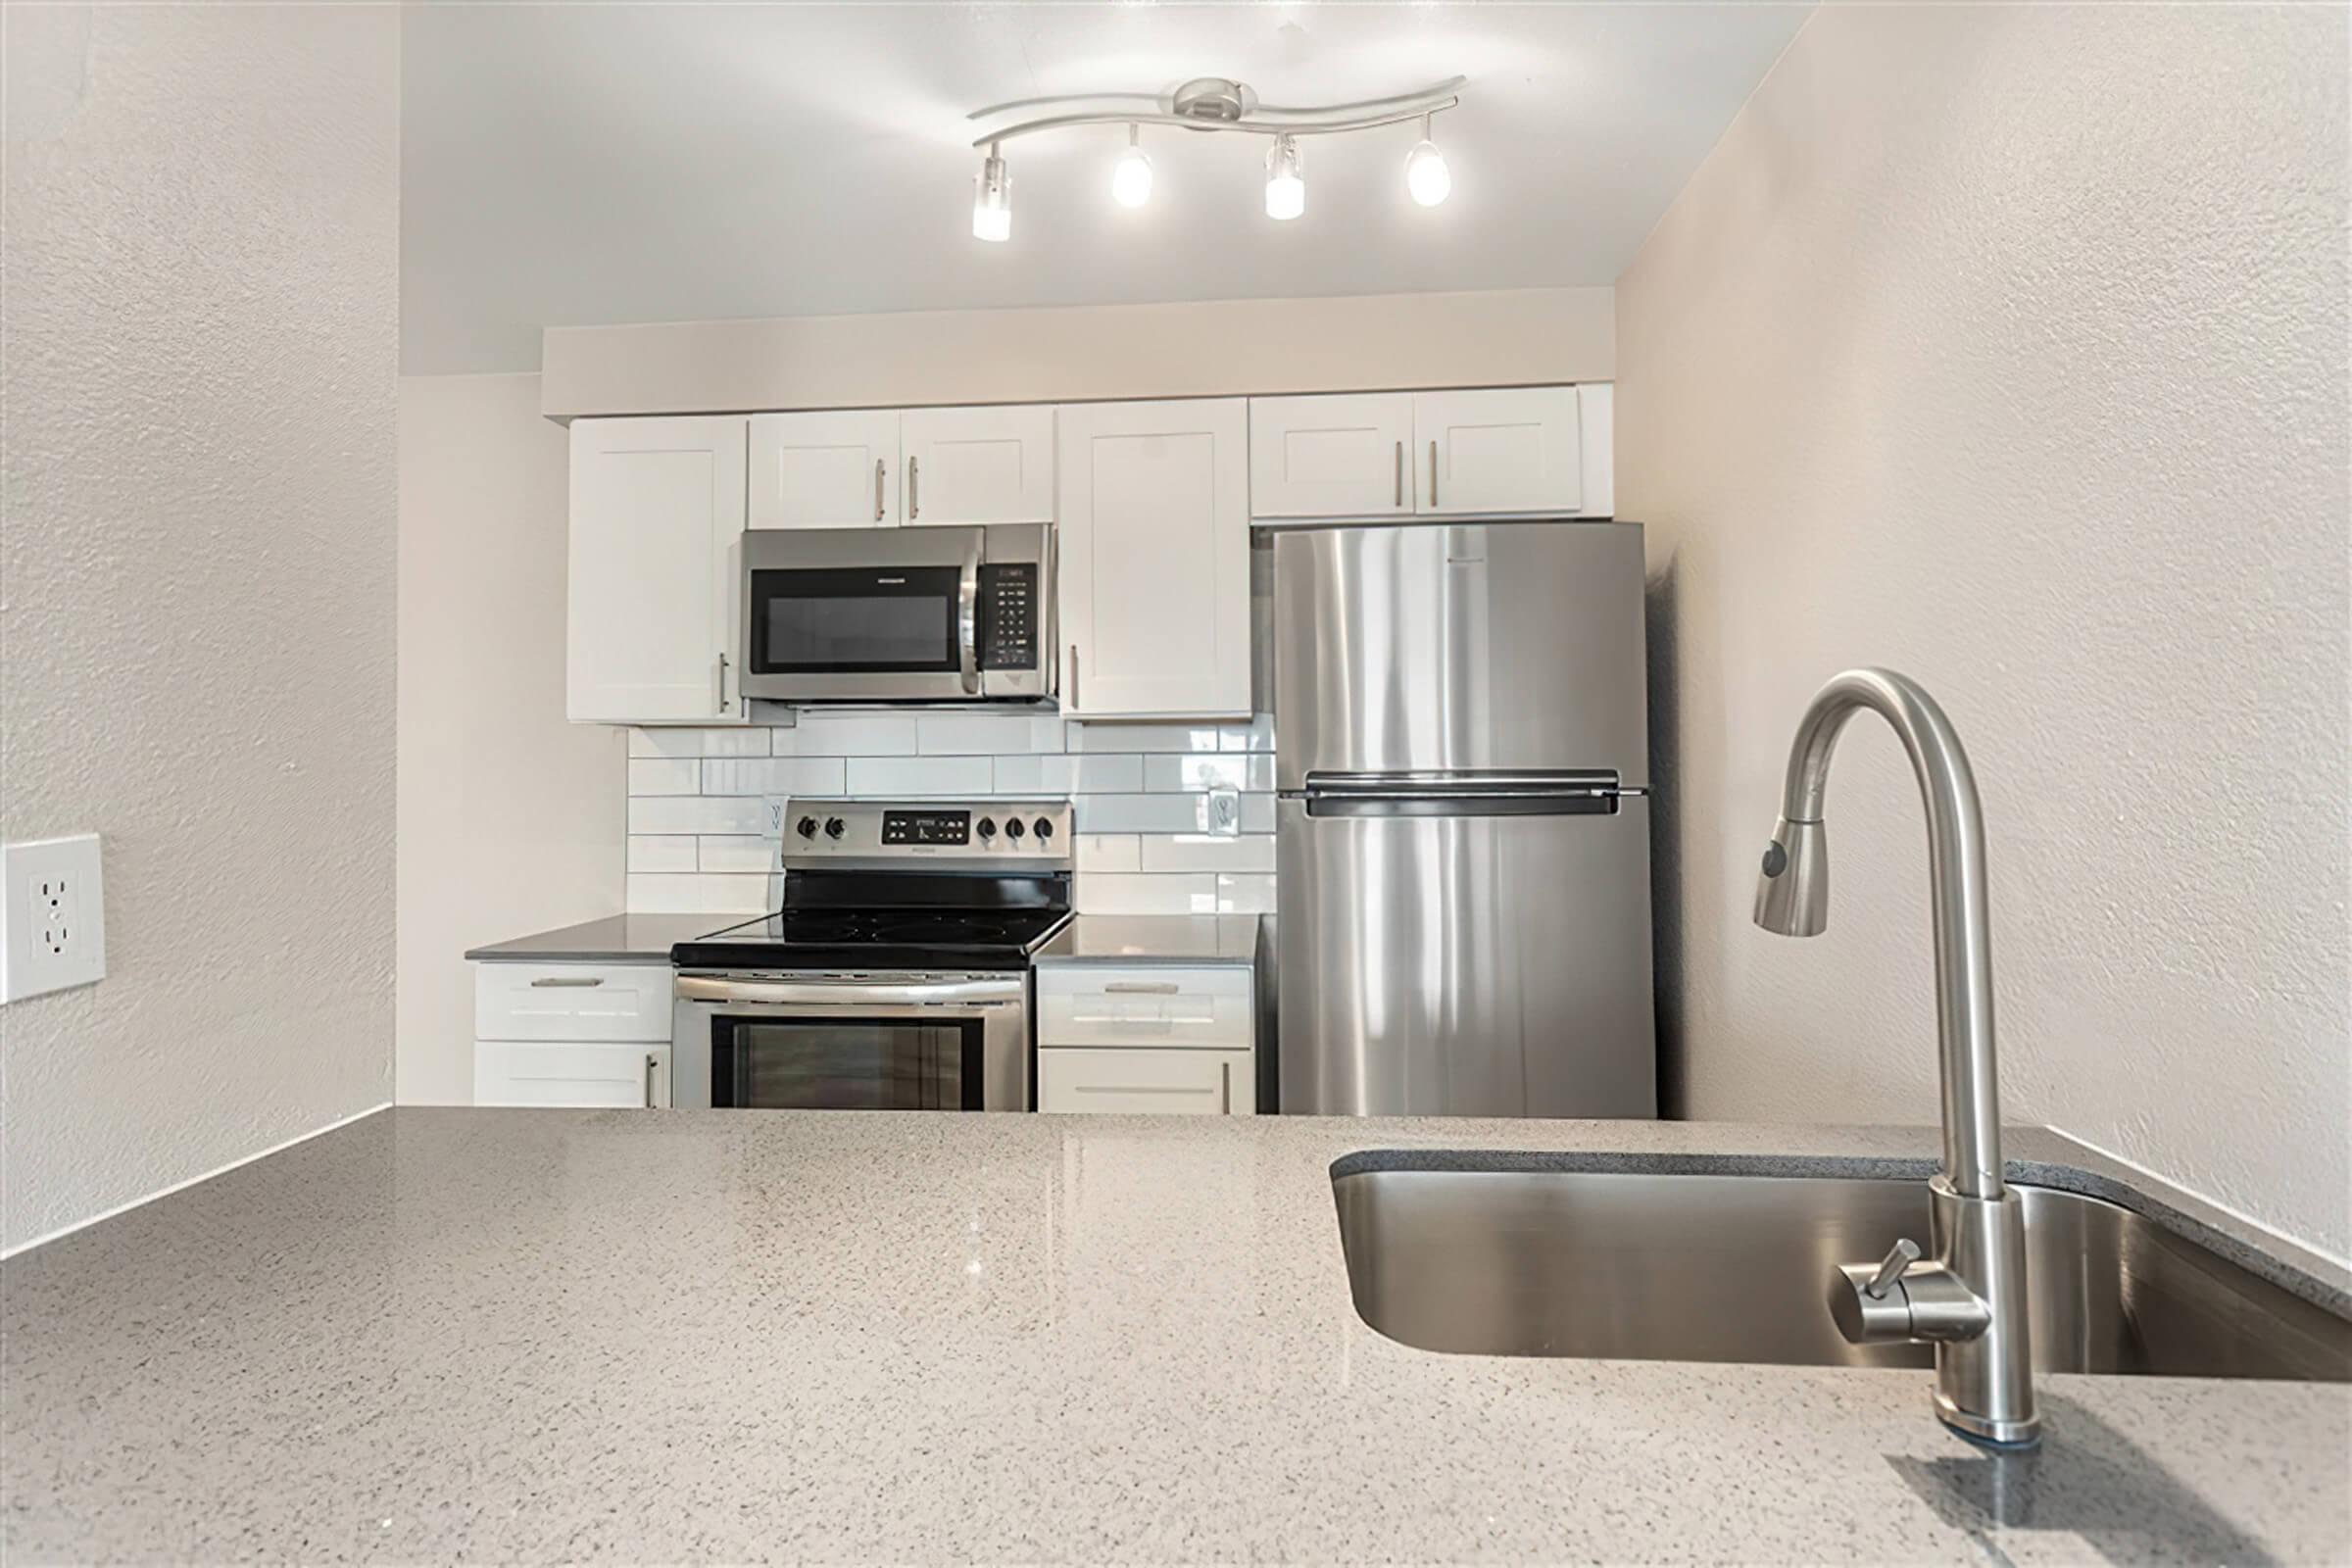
807, 827
987, 826
834, 827
1014, 829
1045, 829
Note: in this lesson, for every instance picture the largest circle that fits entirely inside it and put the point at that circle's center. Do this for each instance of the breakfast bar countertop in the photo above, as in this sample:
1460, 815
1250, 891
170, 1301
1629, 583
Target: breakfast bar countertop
631, 1335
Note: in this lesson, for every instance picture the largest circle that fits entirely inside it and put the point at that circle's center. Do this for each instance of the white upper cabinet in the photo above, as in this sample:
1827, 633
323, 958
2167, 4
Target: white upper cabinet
1347, 456
1540, 450
825, 471
1512, 449
1155, 533
977, 465
657, 523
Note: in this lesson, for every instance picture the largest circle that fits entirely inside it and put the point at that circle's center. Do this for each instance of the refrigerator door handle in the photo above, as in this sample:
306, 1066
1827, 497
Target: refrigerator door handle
1485, 802
1462, 785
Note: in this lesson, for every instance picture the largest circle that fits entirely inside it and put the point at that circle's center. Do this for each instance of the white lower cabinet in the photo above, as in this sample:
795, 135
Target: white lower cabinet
1127, 1080
1154, 1040
579, 1073
576, 1034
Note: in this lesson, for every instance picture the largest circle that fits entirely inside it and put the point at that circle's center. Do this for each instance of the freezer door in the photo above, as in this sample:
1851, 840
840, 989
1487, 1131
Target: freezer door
1438, 648
1466, 966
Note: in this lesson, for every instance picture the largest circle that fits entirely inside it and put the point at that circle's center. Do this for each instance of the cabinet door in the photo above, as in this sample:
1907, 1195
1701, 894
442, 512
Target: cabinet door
1152, 1083
1513, 449
1155, 559
1332, 457
581, 1074
825, 471
978, 465
656, 527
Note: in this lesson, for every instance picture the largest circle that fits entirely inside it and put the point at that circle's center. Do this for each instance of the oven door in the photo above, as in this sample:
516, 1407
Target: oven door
862, 613
818, 1043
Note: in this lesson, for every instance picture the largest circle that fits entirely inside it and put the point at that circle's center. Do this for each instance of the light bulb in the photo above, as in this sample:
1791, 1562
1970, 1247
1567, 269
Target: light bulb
1286, 179
1426, 175
992, 200
1425, 172
1131, 180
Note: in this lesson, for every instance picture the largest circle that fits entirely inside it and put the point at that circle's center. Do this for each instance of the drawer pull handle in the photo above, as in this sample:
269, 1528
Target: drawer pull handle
1224, 1088
546, 980
1147, 988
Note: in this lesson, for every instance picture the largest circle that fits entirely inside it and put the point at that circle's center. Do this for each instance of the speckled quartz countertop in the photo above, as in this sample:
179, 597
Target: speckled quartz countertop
658, 1337
616, 939
1186, 939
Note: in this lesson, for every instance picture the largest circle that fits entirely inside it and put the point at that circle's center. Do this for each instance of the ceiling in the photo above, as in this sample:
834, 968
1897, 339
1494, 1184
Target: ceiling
570, 165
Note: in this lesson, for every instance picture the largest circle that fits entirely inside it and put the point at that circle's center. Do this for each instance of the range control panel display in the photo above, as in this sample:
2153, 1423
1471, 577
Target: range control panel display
927, 827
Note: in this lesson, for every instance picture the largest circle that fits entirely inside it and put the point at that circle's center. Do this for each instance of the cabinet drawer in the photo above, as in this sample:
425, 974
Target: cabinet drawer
587, 1073
1152, 1083
571, 1002
1091, 1004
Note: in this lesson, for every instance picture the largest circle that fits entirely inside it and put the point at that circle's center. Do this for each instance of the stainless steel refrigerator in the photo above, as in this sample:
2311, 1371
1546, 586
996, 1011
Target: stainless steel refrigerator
1462, 850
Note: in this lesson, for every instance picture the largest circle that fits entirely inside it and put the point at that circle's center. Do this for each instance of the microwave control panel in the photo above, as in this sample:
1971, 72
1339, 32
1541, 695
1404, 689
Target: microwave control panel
1008, 615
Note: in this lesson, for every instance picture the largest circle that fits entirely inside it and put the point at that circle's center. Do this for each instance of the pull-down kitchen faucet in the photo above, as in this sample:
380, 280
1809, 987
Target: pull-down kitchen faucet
1969, 1299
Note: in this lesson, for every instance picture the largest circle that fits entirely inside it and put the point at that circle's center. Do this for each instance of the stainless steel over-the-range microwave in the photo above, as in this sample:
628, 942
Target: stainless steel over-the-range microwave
950, 614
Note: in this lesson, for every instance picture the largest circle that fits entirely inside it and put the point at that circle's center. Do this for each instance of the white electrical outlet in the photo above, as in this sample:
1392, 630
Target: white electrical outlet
51, 916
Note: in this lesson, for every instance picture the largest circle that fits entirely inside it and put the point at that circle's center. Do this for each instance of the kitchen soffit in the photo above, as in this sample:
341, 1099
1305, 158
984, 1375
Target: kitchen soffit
575, 164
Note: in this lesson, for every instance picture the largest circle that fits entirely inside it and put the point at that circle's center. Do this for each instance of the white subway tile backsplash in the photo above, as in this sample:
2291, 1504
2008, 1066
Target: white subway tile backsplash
1140, 813
781, 775
1255, 736
848, 735
665, 775
1116, 893
1201, 851
1107, 852
699, 893
660, 851
986, 734
1227, 771
1245, 893
749, 741
1069, 775
1257, 813
696, 813
922, 776
738, 853
1098, 735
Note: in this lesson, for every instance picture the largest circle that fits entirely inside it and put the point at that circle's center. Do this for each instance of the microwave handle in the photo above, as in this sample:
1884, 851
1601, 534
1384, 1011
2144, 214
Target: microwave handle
967, 617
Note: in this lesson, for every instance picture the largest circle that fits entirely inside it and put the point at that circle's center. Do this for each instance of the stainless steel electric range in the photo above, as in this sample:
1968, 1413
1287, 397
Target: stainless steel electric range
894, 973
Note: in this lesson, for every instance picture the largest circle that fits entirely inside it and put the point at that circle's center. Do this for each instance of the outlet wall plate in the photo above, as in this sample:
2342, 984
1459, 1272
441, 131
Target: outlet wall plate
51, 916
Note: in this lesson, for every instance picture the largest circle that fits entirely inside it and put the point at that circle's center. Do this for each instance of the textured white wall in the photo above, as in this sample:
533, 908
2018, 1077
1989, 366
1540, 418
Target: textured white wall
510, 817
2006, 346
201, 269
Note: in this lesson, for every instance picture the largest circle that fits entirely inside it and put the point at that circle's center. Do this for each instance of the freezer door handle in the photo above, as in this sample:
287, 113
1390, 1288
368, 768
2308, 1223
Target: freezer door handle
1465, 802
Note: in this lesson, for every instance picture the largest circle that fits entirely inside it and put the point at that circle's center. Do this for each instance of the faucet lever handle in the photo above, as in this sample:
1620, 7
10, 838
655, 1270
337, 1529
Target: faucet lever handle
1900, 1256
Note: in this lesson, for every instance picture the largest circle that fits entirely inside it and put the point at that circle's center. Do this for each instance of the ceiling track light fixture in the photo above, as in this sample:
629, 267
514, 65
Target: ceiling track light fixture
1209, 104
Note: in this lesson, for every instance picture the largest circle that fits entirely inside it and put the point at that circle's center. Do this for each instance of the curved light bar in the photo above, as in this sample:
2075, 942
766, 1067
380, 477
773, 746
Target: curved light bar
1214, 102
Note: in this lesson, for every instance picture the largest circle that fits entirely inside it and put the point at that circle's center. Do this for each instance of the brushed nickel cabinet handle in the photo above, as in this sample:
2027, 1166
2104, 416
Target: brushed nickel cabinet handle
722, 683
651, 1063
546, 980
1400, 474
878, 473
914, 502
1073, 674
1432, 473
1224, 1088
1156, 988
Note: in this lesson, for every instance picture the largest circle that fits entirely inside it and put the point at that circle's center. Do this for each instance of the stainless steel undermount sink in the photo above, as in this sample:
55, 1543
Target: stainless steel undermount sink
1733, 1268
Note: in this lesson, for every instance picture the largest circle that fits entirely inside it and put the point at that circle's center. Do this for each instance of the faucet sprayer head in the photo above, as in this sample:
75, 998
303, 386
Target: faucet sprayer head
1792, 889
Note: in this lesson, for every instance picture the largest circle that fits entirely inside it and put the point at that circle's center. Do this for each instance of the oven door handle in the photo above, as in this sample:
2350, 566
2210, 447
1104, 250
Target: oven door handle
849, 992
967, 617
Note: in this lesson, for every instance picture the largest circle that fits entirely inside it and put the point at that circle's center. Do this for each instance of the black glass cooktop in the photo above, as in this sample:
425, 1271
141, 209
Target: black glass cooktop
875, 938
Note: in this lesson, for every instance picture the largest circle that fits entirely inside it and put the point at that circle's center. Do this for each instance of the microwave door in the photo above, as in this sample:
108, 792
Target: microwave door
861, 615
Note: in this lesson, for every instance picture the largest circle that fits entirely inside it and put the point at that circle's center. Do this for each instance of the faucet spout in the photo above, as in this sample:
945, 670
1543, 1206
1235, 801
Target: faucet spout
1969, 1300
1792, 894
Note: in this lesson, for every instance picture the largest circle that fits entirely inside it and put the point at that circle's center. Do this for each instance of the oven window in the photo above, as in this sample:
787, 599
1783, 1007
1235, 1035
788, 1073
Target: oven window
846, 621
769, 1063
